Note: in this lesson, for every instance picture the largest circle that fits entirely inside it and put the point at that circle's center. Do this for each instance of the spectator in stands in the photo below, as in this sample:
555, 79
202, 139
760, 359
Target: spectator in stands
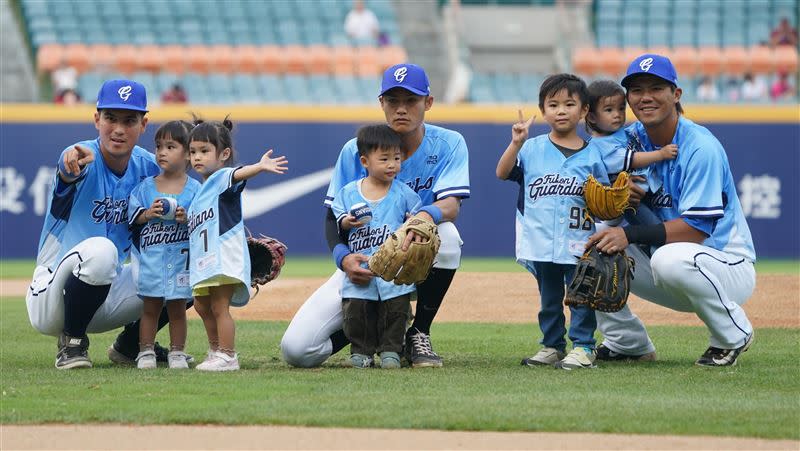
782, 88
753, 89
732, 90
175, 94
707, 90
64, 77
361, 25
783, 34
68, 97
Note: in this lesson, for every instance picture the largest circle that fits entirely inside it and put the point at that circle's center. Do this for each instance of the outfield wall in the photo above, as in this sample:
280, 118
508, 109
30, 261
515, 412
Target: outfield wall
764, 156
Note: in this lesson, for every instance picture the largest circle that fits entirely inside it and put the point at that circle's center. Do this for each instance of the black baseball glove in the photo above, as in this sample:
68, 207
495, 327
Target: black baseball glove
267, 256
602, 281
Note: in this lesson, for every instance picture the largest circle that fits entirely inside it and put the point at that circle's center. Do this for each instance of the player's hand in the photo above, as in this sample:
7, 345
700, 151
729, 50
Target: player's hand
609, 241
76, 159
519, 131
669, 152
351, 265
277, 165
411, 236
180, 215
155, 210
637, 193
350, 222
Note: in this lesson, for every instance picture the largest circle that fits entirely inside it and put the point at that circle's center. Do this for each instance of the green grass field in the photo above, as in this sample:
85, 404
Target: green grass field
323, 267
481, 387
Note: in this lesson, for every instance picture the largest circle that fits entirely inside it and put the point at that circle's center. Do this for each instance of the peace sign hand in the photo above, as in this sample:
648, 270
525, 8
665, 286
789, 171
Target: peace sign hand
519, 131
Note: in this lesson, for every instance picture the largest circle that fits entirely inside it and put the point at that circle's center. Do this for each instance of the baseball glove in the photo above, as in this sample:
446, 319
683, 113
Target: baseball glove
601, 281
607, 202
267, 256
391, 263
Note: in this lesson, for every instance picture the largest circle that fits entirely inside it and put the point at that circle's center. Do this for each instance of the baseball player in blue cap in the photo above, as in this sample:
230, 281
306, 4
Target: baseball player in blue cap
80, 284
435, 165
704, 262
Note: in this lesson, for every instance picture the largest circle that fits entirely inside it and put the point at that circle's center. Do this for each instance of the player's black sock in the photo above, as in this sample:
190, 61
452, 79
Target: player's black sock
339, 341
81, 302
429, 297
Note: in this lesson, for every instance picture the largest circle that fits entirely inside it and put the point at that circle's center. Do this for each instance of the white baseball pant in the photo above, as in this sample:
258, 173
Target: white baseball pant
93, 261
686, 277
306, 342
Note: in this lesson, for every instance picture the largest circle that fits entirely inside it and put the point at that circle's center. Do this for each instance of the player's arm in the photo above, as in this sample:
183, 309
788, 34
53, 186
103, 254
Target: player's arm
449, 207
155, 211
519, 133
277, 165
73, 162
643, 159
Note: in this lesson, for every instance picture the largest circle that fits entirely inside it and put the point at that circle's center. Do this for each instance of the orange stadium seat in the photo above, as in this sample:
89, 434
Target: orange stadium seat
126, 59
612, 61
685, 61
710, 59
343, 60
320, 58
245, 59
391, 55
102, 57
368, 62
48, 57
150, 58
77, 56
272, 59
762, 59
296, 59
661, 50
221, 59
584, 61
199, 59
734, 60
175, 59
786, 59
629, 54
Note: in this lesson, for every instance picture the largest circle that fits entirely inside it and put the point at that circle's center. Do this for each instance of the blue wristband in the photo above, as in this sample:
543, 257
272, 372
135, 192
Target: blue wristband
434, 211
339, 253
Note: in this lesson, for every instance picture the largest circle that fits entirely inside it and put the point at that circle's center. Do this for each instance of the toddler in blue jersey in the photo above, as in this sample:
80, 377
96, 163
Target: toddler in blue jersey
160, 244
552, 227
621, 149
375, 314
219, 267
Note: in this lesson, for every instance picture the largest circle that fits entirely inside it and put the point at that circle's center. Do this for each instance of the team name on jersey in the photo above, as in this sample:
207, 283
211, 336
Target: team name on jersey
417, 185
661, 199
161, 233
553, 185
197, 219
110, 210
367, 237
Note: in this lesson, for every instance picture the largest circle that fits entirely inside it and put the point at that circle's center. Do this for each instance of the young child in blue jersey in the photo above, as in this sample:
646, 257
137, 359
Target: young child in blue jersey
375, 314
622, 151
219, 267
160, 251
551, 225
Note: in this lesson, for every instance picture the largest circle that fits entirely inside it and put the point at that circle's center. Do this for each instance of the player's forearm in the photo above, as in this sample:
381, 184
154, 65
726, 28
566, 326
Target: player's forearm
246, 172
644, 159
678, 231
450, 207
332, 233
508, 160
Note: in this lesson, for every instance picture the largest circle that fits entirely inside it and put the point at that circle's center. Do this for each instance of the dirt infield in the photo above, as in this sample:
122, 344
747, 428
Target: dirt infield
473, 297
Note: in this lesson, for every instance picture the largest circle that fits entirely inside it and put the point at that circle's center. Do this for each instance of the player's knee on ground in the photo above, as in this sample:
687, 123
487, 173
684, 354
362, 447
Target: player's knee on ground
99, 260
299, 352
449, 256
671, 263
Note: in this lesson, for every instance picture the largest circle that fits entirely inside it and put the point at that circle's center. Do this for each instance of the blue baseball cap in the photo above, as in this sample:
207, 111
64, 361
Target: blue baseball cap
407, 76
122, 95
652, 64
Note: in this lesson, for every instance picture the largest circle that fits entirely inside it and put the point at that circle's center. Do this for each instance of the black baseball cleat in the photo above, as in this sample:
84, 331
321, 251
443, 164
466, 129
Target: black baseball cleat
73, 352
419, 352
714, 357
604, 353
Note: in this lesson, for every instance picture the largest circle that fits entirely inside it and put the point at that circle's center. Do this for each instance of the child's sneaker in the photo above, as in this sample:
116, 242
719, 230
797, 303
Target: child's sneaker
545, 356
579, 357
390, 360
361, 361
220, 362
177, 360
146, 360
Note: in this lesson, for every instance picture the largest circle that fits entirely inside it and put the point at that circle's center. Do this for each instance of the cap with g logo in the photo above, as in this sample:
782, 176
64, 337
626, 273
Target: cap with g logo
652, 64
122, 95
407, 76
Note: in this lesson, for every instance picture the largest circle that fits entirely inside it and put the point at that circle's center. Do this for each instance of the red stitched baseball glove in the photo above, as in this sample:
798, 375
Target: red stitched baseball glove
267, 256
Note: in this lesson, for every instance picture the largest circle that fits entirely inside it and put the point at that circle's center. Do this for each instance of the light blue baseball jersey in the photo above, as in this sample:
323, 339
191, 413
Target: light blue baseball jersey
388, 214
94, 205
438, 169
698, 184
160, 249
551, 222
617, 152
217, 240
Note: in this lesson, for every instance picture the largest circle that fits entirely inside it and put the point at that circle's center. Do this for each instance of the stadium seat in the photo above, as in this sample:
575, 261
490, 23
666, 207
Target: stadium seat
762, 59
735, 61
368, 61
391, 55
296, 59
585, 61
272, 59
710, 59
175, 59
343, 61
685, 61
611, 61
48, 57
786, 59
245, 59
150, 58
199, 59
101, 57
221, 58
126, 59
319, 59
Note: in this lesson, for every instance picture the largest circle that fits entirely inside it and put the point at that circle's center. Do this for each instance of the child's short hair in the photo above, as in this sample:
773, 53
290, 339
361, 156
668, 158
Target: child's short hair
597, 91
177, 131
216, 133
553, 84
373, 137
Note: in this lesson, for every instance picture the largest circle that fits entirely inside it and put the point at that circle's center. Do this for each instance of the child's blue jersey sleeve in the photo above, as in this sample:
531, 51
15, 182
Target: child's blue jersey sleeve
348, 168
